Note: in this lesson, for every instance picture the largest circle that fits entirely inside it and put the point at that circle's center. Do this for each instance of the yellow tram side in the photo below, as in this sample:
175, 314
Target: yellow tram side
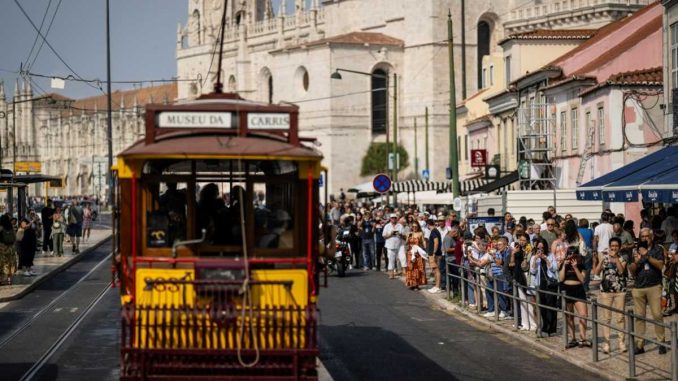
225, 287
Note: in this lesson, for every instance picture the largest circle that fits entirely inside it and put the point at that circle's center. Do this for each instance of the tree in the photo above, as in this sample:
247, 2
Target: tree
375, 162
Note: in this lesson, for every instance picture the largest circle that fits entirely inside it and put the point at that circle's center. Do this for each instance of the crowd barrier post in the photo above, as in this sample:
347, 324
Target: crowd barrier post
632, 346
594, 331
674, 348
563, 308
495, 298
462, 285
514, 291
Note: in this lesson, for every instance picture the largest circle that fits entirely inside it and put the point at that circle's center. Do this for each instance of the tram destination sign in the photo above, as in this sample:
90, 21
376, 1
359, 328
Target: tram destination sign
176, 119
268, 121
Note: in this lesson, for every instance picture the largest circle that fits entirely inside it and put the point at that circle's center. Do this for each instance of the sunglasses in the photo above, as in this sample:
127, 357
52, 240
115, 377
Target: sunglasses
550, 224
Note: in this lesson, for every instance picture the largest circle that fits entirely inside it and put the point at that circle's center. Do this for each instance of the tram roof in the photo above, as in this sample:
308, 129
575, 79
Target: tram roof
201, 145
222, 125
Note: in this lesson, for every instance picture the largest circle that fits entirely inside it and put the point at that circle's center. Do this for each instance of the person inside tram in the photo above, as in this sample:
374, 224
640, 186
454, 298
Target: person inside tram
173, 203
209, 206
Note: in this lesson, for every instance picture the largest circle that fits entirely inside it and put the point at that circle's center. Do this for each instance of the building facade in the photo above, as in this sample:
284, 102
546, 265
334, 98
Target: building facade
68, 137
269, 55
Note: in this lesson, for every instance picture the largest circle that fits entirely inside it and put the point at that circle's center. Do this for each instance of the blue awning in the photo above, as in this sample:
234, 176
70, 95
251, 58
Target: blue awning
626, 189
663, 188
593, 189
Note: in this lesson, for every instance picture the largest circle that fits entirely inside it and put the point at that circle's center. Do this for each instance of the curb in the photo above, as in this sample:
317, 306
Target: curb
45, 277
449, 306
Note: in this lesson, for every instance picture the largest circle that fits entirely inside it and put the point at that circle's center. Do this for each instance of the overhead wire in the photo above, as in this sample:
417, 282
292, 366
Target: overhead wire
35, 41
23, 11
42, 43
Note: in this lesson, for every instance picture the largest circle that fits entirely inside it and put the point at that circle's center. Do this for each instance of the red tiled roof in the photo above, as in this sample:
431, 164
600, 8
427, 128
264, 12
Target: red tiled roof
143, 96
552, 34
652, 76
606, 31
645, 77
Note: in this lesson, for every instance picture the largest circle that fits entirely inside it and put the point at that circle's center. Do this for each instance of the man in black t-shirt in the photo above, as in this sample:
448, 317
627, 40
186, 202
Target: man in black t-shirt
433, 248
648, 262
46, 217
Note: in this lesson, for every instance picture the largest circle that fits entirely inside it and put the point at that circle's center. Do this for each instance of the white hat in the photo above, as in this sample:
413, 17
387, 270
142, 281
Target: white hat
392, 215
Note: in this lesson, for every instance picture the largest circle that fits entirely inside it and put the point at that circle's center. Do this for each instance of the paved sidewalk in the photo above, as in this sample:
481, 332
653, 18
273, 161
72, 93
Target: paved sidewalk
613, 366
48, 267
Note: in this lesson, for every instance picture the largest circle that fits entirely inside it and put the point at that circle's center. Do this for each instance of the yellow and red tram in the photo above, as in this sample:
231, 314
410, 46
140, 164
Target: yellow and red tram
216, 238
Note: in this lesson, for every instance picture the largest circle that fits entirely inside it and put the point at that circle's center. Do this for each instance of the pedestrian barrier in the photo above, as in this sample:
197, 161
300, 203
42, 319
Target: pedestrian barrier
465, 276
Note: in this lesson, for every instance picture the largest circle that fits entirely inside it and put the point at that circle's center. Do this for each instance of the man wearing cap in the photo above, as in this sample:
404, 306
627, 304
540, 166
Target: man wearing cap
392, 233
508, 231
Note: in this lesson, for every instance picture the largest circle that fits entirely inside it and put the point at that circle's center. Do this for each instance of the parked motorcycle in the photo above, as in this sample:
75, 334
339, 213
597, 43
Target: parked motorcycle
343, 257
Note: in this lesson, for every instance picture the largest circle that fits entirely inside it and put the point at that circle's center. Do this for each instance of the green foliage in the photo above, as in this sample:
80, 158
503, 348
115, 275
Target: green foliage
375, 161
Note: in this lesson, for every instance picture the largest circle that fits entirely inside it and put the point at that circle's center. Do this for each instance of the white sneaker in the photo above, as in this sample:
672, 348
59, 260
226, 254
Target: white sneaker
32, 273
488, 314
472, 305
433, 290
502, 315
525, 328
26, 273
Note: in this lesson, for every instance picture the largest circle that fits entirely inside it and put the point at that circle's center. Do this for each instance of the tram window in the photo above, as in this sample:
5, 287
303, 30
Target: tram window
218, 212
166, 214
273, 215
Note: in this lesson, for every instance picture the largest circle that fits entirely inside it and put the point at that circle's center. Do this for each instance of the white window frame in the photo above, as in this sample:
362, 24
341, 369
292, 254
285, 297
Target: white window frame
573, 123
563, 131
601, 125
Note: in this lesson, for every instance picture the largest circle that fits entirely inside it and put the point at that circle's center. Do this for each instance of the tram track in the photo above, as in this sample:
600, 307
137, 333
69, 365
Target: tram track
49, 307
26, 350
44, 359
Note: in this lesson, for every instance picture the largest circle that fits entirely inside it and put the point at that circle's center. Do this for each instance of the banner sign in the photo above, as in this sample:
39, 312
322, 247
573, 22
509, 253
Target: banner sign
180, 119
478, 158
268, 121
489, 222
27, 166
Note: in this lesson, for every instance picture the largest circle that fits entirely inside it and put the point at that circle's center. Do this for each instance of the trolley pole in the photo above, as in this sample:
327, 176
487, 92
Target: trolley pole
395, 129
454, 160
110, 193
426, 138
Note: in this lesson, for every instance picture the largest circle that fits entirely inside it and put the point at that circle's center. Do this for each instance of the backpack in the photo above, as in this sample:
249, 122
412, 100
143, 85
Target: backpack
7, 237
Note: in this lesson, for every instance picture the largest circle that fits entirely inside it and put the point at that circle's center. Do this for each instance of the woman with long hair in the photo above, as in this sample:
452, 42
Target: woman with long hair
572, 278
58, 229
415, 273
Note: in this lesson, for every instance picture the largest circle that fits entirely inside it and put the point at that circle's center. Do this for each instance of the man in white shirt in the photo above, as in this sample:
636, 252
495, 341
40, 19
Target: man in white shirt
393, 236
602, 235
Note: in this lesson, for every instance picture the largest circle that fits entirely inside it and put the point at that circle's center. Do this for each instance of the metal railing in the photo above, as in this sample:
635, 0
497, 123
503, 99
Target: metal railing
463, 275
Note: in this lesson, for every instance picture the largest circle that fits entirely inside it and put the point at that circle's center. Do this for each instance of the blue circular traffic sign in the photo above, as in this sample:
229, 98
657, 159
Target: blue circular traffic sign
381, 183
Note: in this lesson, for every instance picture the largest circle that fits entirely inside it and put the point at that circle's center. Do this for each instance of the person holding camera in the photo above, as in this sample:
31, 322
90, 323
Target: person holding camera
392, 233
544, 271
572, 274
648, 262
612, 291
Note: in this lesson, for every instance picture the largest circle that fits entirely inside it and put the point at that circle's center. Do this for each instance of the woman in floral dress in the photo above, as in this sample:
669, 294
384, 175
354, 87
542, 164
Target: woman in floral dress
415, 275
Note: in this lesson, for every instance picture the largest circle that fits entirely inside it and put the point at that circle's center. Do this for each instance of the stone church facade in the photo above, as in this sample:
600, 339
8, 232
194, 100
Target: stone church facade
68, 137
274, 56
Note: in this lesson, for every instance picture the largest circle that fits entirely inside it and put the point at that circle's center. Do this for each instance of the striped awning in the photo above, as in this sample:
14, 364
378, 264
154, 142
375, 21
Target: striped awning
420, 186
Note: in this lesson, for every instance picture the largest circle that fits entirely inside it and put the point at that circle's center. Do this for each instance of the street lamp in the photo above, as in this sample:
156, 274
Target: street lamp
337, 75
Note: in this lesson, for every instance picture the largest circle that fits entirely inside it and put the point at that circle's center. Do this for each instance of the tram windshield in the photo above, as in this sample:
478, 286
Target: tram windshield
232, 201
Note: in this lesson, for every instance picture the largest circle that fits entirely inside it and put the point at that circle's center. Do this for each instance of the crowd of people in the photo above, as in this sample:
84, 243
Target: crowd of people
21, 240
538, 260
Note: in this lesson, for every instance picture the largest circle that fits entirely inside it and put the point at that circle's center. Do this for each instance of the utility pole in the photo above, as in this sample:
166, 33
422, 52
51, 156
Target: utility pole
110, 194
453, 162
426, 139
463, 49
388, 143
416, 156
395, 128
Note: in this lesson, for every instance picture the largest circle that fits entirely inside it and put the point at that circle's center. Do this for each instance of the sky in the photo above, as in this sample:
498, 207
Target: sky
143, 41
